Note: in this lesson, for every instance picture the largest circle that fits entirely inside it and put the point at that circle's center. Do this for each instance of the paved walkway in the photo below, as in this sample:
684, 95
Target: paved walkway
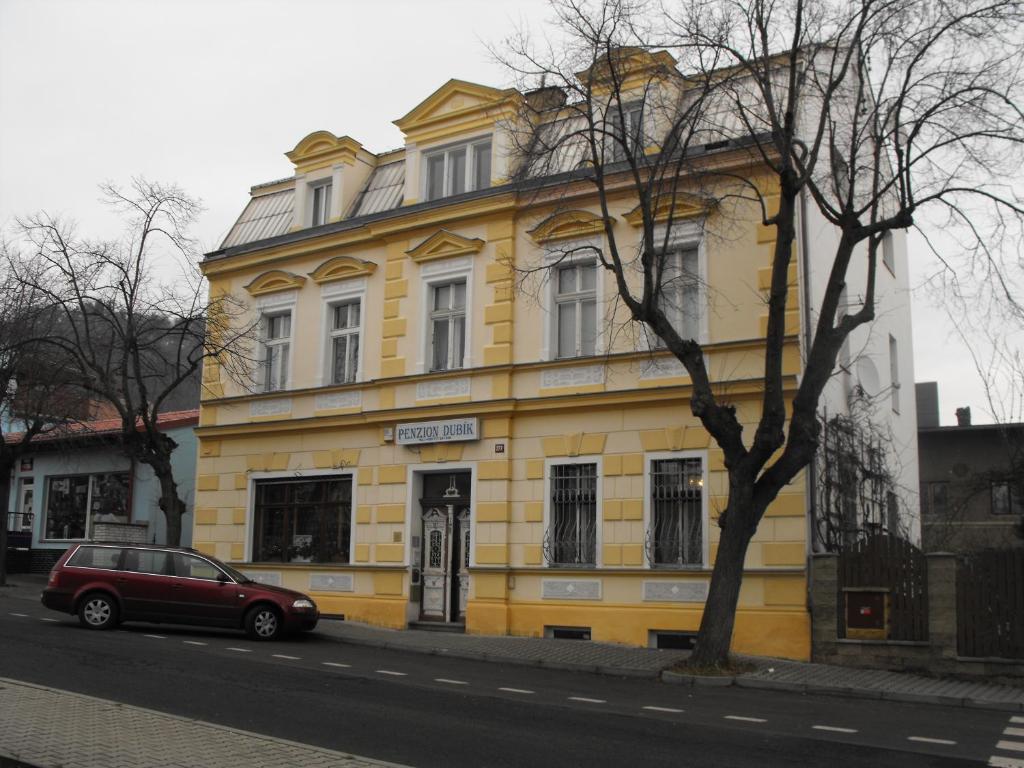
620, 660
55, 729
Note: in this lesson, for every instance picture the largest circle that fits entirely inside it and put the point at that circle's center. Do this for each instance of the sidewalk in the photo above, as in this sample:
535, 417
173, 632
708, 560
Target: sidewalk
55, 729
604, 658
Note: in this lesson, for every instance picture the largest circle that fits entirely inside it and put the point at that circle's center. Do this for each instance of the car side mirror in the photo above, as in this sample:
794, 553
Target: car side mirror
222, 578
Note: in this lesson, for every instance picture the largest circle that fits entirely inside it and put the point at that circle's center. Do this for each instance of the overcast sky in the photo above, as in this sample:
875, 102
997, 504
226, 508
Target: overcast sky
210, 94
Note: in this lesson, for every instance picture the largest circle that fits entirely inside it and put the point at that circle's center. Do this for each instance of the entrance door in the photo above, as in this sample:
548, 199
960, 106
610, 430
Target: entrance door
445, 552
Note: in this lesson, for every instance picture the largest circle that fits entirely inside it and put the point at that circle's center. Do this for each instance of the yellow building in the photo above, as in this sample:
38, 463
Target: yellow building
448, 426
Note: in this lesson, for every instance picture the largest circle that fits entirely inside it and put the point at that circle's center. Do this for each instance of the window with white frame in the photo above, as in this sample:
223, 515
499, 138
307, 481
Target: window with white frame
320, 203
676, 526
571, 538
458, 169
894, 374
575, 311
447, 325
888, 252
679, 293
276, 345
345, 330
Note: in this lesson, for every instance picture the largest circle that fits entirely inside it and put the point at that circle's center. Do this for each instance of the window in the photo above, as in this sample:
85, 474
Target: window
303, 521
74, 503
576, 309
96, 557
679, 296
937, 498
344, 333
571, 538
677, 512
277, 335
888, 253
321, 204
1006, 500
894, 374
154, 561
632, 119
192, 567
455, 170
447, 325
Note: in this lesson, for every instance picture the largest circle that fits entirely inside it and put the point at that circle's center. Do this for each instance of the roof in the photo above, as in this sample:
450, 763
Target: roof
81, 430
265, 216
383, 190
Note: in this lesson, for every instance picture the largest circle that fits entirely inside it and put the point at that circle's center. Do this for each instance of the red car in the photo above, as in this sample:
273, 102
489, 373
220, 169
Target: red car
108, 583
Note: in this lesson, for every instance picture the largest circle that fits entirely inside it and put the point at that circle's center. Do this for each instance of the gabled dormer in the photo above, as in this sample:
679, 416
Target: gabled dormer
329, 172
457, 141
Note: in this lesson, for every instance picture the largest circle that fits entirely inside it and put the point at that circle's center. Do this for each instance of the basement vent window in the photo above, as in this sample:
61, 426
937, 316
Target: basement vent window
567, 633
674, 641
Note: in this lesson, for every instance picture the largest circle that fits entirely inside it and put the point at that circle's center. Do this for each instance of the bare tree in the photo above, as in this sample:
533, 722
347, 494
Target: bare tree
870, 113
36, 395
131, 318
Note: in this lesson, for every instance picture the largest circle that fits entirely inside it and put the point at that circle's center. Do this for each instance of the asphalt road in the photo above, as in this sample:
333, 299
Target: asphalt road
434, 711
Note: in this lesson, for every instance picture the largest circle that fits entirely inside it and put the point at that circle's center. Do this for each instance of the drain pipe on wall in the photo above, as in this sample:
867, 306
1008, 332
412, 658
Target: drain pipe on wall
806, 338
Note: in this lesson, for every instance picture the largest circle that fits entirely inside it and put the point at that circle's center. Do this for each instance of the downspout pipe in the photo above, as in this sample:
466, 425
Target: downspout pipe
806, 339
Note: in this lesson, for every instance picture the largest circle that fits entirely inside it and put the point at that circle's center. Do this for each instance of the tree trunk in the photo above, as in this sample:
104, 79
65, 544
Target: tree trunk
172, 506
719, 616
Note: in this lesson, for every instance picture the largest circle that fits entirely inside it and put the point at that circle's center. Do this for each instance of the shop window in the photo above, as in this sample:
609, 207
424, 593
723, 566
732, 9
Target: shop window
571, 538
676, 536
303, 520
75, 502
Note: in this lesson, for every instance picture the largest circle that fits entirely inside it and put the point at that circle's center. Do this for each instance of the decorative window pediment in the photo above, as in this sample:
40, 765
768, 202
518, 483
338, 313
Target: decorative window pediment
455, 100
342, 268
685, 206
568, 224
444, 244
322, 148
274, 281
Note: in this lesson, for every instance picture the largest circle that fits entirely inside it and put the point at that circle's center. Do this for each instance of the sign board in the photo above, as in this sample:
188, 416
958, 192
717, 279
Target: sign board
447, 431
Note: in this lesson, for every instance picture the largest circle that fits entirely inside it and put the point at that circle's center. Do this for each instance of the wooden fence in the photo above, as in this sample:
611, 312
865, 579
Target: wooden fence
889, 563
990, 604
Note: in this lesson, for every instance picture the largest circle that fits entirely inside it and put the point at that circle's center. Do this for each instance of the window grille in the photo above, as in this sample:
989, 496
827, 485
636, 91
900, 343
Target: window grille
571, 538
677, 489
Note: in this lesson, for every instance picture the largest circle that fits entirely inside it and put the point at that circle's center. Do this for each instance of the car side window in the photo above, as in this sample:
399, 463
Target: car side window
96, 557
193, 567
148, 561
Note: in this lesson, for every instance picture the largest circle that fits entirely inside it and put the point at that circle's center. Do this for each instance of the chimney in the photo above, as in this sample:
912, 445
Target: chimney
963, 416
545, 97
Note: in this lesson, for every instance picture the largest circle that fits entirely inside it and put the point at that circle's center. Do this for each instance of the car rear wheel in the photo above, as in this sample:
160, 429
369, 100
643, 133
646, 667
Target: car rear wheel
263, 623
98, 611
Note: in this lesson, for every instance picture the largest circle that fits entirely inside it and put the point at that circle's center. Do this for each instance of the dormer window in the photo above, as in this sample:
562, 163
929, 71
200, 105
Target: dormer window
458, 169
321, 204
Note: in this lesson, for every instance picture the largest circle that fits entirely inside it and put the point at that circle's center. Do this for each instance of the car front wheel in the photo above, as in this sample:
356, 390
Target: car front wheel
263, 623
98, 611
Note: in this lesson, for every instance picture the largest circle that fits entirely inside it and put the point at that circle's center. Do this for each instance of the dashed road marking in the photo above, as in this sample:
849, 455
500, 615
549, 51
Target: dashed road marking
585, 700
286, 656
1010, 746
928, 740
1013, 732
390, 672
833, 729
1017, 719
20, 615
336, 664
48, 619
664, 709
450, 682
743, 719
156, 637
193, 642
1005, 762
516, 690
240, 650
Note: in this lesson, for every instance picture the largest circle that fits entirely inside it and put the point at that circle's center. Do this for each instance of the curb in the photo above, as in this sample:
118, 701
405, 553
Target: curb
459, 653
678, 678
